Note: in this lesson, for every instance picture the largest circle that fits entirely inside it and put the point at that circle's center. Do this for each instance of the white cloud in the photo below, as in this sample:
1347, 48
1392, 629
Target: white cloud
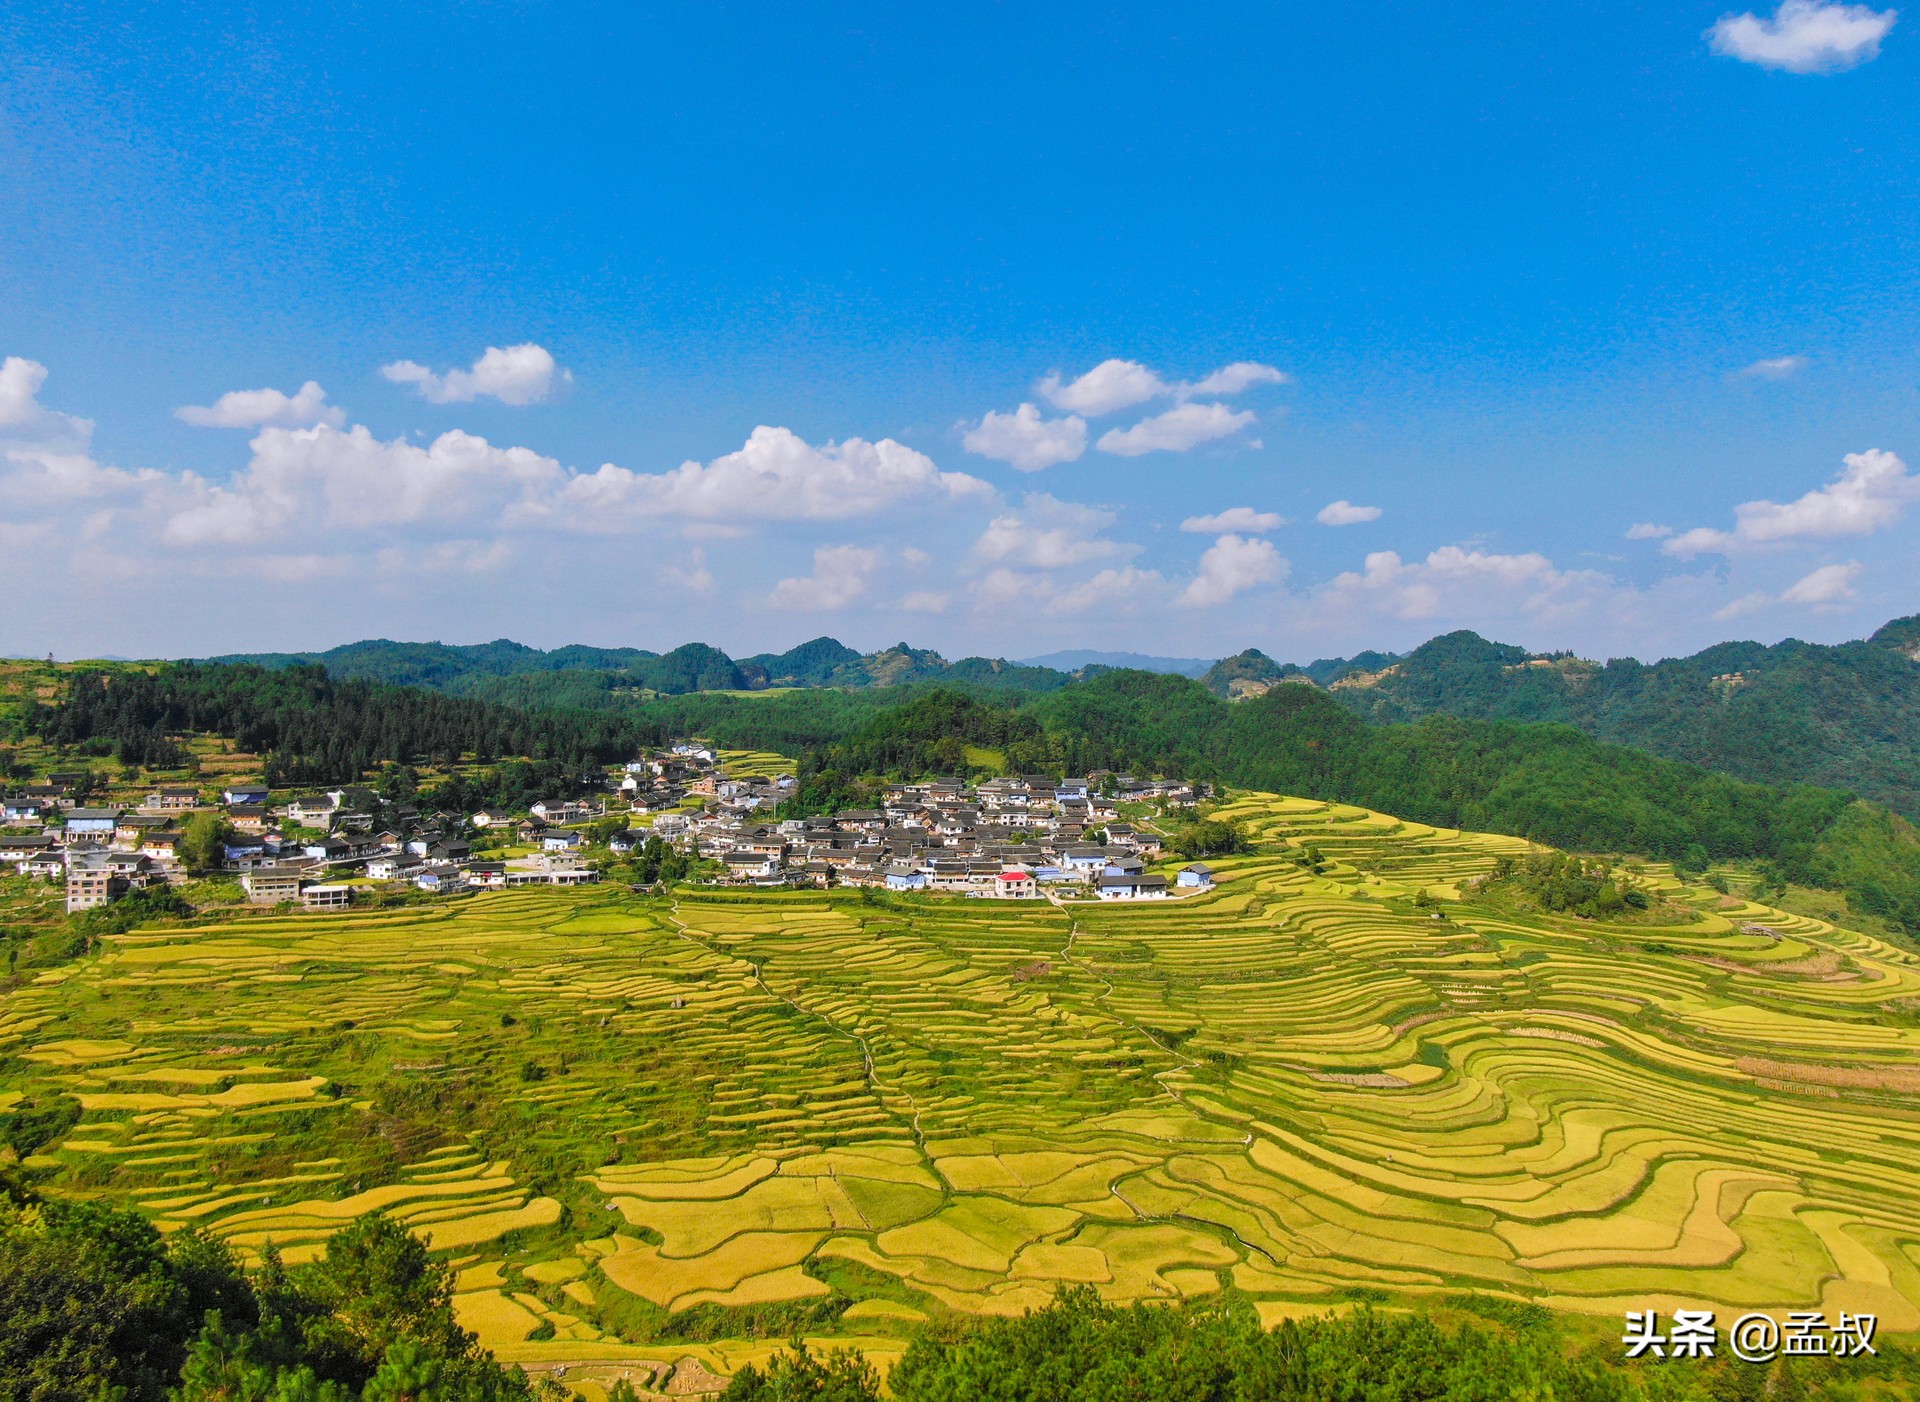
1233, 379
694, 576
775, 476
1048, 534
23, 418
1110, 385
1780, 367
1120, 384
1648, 530
1110, 588
1231, 565
1345, 513
925, 601
1175, 431
1825, 588
522, 374
303, 479
255, 408
839, 577
1870, 493
1026, 440
1828, 585
1459, 582
1243, 520
1804, 36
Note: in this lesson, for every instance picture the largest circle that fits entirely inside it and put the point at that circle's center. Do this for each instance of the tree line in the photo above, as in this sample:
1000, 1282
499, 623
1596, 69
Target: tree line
314, 729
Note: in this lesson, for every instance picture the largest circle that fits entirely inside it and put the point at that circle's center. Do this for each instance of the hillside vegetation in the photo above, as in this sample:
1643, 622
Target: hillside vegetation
1845, 716
1547, 782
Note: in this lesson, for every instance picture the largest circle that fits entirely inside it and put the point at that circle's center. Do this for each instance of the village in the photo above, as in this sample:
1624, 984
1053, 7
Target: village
1010, 837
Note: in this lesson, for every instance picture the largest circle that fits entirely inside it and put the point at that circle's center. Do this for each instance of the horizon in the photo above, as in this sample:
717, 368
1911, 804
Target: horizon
1030, 660
1587, 329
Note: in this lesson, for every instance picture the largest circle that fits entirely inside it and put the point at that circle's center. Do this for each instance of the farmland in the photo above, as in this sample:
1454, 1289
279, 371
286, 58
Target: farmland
645, 1127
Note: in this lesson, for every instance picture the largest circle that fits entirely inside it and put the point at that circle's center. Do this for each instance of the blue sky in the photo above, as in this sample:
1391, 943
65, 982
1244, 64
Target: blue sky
633, 325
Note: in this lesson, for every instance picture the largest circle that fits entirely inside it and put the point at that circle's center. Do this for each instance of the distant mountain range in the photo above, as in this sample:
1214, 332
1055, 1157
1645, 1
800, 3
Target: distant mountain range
1077, 659
1846, 715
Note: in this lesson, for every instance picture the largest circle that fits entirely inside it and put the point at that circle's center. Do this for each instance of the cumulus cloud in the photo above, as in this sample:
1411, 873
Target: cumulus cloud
1231, 565
1461, 582
256, 408
1871, 493
775, 476
1110, 385
24, 419
1828, 587
925, 601
1232, 379
1345, 513
694, 576
1804, 36
1175, 431
1120, 384
321, 477
1045, 533
839, 577
325, 477
1780, 367
1648, 530
1242, 520
522, 374
1117, 589
1026, 440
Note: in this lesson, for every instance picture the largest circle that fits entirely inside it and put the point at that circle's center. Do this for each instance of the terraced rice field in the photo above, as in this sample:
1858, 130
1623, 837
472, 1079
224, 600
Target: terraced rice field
624, 1115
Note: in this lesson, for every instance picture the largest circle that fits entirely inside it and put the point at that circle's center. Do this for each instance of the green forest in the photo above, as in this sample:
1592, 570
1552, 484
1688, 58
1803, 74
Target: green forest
1546, 781
1844, 716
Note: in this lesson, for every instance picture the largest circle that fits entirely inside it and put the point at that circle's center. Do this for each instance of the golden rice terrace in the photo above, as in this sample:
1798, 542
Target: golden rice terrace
614, 1111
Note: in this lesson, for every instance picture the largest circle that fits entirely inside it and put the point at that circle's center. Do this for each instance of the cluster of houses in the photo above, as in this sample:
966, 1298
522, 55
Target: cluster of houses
300, 852
1008, 838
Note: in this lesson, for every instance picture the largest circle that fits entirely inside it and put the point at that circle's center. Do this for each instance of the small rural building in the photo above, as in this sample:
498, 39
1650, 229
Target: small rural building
1015, 884
22, 808
172, 800
271, 887
560, 842
335, 897
487, 876
1198, 876
1133, 888
91, 827
91, 886
18, 850
244, 795
906, 878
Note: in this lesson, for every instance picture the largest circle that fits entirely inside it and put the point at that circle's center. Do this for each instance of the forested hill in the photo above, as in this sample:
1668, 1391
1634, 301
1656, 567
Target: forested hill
576, 672
1845, 716
1548, 782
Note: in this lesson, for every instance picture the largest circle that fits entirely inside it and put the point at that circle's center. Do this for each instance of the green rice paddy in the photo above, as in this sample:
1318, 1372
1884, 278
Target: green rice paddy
627, 1117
